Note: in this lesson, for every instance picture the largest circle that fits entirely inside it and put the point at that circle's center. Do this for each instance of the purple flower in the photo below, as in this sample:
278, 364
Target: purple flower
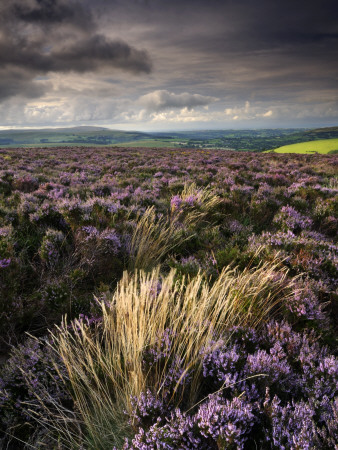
175, 202
5, 262
227, 421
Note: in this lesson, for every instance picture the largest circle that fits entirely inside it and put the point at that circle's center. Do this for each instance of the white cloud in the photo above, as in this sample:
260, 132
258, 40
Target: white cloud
238, 111
268, 114
247, 112
78, 107
162, 99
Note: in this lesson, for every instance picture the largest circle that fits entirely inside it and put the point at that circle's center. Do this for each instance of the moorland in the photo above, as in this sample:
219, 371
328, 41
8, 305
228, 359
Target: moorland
177, 298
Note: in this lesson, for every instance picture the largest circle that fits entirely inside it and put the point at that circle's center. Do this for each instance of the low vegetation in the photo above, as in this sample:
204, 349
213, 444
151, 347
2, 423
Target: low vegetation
168, 298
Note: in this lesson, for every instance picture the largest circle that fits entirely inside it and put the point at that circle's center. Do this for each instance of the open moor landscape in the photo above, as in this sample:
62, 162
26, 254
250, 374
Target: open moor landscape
168, 299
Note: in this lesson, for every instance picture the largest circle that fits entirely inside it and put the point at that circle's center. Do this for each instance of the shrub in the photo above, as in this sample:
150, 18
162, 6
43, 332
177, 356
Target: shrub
51, 247
30, 388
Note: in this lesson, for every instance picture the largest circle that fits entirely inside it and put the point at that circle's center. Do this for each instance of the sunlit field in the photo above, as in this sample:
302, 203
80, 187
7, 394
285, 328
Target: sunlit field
322, 146
168, 299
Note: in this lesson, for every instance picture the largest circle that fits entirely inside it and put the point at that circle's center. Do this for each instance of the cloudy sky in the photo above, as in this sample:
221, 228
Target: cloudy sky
169, 64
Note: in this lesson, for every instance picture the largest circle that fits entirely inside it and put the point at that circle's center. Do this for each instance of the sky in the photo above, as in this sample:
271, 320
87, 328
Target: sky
154, 65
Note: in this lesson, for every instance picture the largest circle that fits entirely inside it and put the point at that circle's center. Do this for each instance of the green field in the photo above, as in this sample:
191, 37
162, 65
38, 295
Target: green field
322, 146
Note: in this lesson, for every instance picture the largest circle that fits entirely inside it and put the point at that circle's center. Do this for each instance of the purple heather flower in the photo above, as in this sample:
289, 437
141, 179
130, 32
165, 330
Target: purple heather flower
176, 202
5, 263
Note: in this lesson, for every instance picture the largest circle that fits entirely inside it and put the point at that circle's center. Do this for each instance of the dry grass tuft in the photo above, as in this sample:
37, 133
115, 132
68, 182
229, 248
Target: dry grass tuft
154, 237
105, 363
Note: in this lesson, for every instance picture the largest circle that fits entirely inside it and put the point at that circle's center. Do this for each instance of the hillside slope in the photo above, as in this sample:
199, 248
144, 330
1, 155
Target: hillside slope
322, 146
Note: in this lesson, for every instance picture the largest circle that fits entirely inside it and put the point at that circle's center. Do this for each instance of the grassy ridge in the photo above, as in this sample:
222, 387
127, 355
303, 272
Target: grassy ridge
322, 146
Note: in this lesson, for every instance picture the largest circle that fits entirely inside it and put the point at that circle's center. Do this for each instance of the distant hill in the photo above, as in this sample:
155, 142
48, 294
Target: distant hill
83, 135
80, 129
240, 140
327, 133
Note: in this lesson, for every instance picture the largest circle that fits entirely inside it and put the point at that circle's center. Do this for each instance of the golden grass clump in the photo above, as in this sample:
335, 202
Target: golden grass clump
154, 237
105, 362
206, 201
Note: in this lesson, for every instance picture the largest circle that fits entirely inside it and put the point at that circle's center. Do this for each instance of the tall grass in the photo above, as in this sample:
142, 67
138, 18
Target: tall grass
207, 203
154, 237
105, 362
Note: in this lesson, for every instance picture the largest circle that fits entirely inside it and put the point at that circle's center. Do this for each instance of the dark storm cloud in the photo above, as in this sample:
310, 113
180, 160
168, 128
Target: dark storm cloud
41, 36
97, 51
13, 82
88, 54
243, 45
235, 28
46, 15
47, 12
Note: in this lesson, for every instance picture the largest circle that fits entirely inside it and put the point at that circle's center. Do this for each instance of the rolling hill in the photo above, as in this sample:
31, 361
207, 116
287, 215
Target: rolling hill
241, 140
67, 136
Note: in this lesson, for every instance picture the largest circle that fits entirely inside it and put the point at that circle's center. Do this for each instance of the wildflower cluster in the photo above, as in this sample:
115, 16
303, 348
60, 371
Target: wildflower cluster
273, 389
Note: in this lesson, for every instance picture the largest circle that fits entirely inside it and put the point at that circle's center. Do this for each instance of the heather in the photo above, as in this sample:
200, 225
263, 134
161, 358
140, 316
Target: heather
190, 297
